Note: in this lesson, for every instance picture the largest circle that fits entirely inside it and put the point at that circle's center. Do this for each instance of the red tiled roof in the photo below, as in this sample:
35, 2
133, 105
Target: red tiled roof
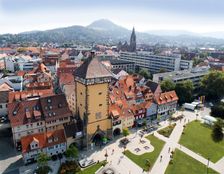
55, 107
22, 112
20, 73
166, 97
66, 78
57, 137
19, 95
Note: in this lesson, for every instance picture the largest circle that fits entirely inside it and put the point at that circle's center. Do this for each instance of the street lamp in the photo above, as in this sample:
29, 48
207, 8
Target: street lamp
196, 114
125, 148
208, 164
106, 155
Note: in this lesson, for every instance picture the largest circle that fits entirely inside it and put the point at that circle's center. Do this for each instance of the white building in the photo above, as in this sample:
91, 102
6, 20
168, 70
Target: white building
154, 63
4, 103
167, 104
195, 75
50, 143
16, 82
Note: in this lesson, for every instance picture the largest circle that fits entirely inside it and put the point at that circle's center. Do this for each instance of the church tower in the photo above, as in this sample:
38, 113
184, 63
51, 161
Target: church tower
132, 47
92, 91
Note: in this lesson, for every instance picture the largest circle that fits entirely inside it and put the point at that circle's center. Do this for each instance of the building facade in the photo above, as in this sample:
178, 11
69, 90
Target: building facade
154, 63
92, 105
50, 143
195, 75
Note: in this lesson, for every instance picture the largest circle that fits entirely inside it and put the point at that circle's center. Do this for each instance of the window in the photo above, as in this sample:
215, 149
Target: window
0, 106
100, 104
80, 93
98, 115
100, 93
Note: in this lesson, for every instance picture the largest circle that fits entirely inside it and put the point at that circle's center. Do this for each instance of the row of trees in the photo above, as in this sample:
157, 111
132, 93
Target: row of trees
212, 85
183, 89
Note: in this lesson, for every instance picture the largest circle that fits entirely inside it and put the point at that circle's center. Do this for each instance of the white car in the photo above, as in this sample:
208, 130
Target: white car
211, 104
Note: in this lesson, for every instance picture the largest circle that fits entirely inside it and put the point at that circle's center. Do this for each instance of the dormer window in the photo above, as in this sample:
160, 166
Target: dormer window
49, 114
55, 139
14, 113
49, 100
59, 105
49, 140
54, 113
50, 107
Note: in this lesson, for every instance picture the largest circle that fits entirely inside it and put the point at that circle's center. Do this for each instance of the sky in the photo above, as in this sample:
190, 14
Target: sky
190, 15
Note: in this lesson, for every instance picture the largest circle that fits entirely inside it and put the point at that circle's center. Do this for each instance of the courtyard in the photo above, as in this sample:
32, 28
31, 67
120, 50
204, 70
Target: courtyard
142, 160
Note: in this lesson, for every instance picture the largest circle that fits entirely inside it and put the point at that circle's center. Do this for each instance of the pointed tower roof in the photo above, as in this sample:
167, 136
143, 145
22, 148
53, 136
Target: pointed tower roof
92, 68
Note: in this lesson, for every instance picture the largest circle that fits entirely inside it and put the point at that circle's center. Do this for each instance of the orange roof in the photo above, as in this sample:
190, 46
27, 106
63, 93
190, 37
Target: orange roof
20, 73
57, 137
66, 78
18, 95
166, 97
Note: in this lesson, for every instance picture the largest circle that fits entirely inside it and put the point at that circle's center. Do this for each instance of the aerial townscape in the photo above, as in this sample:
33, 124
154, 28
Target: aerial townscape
103, 99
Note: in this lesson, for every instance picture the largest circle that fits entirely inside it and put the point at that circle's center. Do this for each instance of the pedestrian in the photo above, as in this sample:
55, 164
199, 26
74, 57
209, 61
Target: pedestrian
169, 150
161, 158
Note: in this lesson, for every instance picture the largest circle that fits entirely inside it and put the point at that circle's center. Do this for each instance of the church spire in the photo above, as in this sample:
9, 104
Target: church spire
132, 47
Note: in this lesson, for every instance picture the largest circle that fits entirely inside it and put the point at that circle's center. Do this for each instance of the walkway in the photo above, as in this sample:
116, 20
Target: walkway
162, 163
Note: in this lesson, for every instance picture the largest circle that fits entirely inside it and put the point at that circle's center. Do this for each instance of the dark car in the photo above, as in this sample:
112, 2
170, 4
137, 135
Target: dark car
124, 141
54, 157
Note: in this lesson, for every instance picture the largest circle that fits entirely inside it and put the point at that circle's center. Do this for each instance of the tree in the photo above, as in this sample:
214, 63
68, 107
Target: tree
213, 85
184, 91
167, 85
42, 159
218, 110
42, 162
162, 70
217, 131
72, 152
125, 132
145, 73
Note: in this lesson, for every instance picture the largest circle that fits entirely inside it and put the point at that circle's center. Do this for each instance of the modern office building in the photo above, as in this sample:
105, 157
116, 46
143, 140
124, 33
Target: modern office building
154, 63
195, 75
186, 64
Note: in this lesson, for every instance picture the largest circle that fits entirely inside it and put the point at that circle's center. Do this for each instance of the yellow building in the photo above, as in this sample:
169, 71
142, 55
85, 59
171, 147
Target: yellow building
92, 105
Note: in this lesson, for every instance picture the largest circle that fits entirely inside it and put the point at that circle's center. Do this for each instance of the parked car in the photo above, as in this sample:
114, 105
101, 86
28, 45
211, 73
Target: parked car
211, 104
54, 157
124, 141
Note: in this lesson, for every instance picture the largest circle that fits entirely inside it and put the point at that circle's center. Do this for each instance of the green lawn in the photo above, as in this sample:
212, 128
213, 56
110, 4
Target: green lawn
167, 130
151, 156
92, 169
197, 137
184, 164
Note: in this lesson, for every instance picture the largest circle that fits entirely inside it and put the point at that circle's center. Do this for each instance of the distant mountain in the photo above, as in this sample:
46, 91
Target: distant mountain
171, 32
106, 32
106, 25
218, 35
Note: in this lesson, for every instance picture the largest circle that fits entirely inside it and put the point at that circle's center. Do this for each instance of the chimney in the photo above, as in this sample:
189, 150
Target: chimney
92, 54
